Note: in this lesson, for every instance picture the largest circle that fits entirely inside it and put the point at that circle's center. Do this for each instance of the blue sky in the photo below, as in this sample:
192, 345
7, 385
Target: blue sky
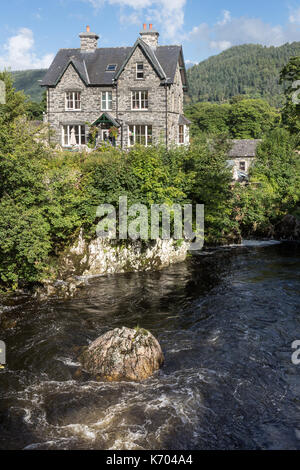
32, 31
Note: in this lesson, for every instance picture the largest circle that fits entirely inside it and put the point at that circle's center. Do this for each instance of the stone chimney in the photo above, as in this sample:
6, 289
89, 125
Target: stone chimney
89, 41
150, 36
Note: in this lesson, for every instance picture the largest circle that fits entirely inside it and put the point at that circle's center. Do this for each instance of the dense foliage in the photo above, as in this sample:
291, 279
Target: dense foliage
241, 119
275, 185
251, 70
290, 76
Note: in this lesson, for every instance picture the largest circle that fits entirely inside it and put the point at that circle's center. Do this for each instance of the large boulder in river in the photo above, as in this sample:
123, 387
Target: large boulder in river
123, 354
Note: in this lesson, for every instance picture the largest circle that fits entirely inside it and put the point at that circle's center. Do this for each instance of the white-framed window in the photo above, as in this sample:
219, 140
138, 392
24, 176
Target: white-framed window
140, 134
67, 132
243, 166
106, 101
139, 100
181, 134
73, 101
139, 70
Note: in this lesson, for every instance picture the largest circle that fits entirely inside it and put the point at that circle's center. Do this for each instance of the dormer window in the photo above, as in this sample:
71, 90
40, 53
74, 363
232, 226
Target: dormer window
111, 68
140, 71
73, 101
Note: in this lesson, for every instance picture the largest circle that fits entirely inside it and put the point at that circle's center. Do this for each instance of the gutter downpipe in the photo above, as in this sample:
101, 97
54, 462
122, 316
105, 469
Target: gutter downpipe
167, 127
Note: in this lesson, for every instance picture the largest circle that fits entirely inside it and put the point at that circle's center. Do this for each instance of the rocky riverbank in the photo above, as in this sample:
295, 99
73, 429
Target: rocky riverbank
98, 257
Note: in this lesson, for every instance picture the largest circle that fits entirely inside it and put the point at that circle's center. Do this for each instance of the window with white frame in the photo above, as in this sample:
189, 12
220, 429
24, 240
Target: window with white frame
106, 101
181, 134
139, 70
73, 101
79, 132
139, 100
140, 134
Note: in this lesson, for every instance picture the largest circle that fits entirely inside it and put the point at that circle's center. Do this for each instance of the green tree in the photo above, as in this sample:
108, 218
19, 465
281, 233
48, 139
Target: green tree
252, 119
290, 76
15, 101
275, 185
209, 118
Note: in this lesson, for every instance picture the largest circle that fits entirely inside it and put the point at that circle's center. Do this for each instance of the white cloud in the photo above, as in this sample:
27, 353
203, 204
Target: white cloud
167, 15
220, 45
230, 31
226, 18
19, 53
295, 16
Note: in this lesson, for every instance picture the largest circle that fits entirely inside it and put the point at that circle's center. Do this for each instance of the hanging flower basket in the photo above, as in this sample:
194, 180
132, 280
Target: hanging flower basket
113, 132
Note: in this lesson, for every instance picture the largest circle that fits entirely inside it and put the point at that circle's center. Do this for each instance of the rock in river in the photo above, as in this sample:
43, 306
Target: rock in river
123, 354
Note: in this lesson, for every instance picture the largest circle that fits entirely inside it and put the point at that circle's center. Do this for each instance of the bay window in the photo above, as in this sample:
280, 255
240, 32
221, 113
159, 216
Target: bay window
106, 101
139, 100
140, 135
67, 132
73, 101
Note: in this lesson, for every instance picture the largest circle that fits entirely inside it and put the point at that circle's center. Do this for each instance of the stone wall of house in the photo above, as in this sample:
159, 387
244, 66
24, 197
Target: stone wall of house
165, 103
236, 167
175, 107
156, 114
90, 103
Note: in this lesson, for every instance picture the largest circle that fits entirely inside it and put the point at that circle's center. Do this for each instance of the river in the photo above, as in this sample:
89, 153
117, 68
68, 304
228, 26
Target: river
226, 319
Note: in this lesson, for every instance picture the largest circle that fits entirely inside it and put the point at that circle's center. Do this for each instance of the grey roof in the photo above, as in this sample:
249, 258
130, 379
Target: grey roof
184, 121
243, 148
91, 66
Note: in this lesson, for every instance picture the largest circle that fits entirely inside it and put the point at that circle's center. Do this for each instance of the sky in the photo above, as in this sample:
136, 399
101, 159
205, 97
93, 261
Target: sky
31, 31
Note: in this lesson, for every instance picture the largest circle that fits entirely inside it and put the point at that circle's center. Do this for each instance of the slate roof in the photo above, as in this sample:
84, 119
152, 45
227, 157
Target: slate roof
184, 121
243, 148
91, 66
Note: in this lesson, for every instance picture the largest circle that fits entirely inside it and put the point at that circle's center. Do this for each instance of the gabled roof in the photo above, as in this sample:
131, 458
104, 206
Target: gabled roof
91, 67
106, 118
243, 148
149, 53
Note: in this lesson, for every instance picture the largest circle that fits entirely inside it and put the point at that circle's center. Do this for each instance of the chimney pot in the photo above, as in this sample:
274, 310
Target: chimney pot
89, 41
145, 26
150, 36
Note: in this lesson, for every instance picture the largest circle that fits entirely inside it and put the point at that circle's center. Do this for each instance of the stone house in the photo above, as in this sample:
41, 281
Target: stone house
131, 94
242, 154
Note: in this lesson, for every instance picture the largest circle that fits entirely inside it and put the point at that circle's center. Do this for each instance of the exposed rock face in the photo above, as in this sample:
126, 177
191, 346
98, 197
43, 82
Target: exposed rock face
98, 257
123, 354
101, 256
288, 228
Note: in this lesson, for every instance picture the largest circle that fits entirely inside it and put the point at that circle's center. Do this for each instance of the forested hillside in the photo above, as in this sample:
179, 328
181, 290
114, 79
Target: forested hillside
249, 69
28, 81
